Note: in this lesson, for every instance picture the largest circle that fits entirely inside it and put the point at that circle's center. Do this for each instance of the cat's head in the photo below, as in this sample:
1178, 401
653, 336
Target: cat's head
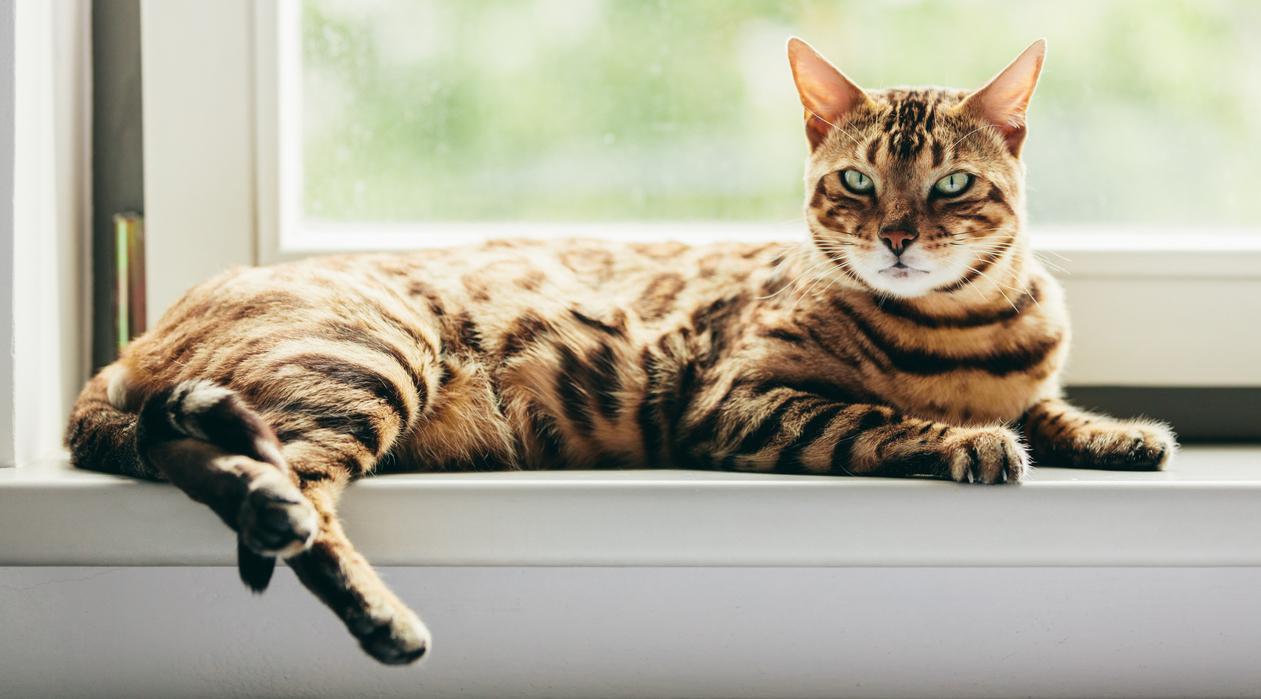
914, 190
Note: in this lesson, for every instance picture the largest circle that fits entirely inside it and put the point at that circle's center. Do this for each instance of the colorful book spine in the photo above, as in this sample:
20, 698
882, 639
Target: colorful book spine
129, 295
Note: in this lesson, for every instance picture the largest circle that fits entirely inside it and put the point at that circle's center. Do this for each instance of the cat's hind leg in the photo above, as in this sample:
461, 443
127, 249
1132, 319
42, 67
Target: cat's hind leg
281, 499
386, 628
335, 419
278, 490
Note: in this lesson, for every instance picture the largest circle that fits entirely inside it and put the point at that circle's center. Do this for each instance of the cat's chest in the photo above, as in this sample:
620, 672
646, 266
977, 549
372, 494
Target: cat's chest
995, 377
971, 397
960, 373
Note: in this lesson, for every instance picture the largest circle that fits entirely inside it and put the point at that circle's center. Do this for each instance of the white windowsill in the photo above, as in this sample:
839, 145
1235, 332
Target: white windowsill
1204, 511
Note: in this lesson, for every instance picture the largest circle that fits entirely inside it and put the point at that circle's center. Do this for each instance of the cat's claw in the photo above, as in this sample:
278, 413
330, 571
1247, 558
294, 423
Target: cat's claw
1136, 446
276, 519
989, 456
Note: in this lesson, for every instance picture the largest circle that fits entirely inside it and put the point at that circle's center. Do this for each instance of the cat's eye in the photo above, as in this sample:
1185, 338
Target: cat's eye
857, 182
953, 185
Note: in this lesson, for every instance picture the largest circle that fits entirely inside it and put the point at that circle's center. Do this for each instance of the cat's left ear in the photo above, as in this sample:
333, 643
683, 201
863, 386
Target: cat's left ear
1004, 100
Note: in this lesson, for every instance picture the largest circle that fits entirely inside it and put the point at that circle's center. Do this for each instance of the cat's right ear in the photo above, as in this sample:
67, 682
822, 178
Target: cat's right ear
826, 93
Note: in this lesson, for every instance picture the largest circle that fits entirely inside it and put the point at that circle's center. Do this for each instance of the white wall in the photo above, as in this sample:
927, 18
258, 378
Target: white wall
643, 632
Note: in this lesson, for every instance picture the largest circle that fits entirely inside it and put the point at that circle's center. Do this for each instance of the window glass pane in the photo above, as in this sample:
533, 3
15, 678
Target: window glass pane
631, 110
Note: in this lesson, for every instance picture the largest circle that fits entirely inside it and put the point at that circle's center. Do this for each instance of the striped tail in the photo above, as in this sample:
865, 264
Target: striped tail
101, 435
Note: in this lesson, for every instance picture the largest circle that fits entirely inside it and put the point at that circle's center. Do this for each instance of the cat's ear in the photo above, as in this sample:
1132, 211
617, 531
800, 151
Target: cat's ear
826, 93
1004, 100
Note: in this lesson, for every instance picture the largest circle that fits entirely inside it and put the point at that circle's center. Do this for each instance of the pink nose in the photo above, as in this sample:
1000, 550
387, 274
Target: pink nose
898, 240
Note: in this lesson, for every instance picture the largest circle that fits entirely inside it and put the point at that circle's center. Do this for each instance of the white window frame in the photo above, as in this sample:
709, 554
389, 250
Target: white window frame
44, 135
8, 226
222, 186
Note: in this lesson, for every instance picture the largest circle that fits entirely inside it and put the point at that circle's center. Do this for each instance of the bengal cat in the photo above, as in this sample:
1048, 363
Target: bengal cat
913, 335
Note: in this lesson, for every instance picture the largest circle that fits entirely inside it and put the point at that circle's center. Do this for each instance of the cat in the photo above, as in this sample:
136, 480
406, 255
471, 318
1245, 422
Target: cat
914, 334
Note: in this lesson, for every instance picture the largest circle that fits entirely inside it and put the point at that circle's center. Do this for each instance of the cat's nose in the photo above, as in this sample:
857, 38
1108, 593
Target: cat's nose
898, 238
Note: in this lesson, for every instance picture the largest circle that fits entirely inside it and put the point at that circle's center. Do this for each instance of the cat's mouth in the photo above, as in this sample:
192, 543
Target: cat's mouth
901, 270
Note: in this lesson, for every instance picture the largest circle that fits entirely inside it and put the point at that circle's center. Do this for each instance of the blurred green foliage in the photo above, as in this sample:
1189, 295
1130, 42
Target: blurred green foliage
612, 110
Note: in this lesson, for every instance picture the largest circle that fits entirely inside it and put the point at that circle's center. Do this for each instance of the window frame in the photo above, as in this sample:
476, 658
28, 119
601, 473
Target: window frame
8, 237
1149, 308
44, 122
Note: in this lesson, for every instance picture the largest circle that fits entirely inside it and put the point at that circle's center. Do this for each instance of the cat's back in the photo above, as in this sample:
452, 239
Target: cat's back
646, 278
649, 279
492, 315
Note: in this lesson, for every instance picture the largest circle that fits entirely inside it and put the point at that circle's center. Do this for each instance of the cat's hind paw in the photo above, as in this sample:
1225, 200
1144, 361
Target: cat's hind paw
275, 518
393, 635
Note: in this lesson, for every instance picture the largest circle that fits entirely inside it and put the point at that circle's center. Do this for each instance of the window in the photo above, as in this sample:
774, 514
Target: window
623, 110
330, 125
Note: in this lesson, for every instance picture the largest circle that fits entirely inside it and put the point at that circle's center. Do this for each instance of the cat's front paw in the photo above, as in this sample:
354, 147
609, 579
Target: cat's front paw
275, 518
985, 455
1119, 445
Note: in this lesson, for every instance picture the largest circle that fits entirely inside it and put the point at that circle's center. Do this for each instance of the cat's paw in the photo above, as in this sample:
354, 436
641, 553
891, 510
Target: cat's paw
1120, 445
392, 634
275, 518
985, 455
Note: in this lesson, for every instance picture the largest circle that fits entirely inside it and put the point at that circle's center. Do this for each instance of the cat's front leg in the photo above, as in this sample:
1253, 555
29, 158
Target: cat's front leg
781, 428
1061, 434
990, 455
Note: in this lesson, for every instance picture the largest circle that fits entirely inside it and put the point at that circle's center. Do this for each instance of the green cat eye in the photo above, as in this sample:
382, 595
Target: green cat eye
857, 182
953, 184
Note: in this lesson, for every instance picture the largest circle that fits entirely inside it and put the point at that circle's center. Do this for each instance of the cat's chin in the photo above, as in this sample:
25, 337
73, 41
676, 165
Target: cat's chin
903, 281
902, 271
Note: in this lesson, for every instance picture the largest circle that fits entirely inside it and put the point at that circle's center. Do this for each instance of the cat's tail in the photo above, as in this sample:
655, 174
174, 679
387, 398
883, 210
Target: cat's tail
194, 423
101, 435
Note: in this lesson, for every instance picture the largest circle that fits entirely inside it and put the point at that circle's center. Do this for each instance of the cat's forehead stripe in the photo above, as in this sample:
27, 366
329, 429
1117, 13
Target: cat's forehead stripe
873, 149
907, 121
910, 122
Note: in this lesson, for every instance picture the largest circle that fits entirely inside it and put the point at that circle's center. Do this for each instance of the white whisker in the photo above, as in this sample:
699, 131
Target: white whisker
838, 127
